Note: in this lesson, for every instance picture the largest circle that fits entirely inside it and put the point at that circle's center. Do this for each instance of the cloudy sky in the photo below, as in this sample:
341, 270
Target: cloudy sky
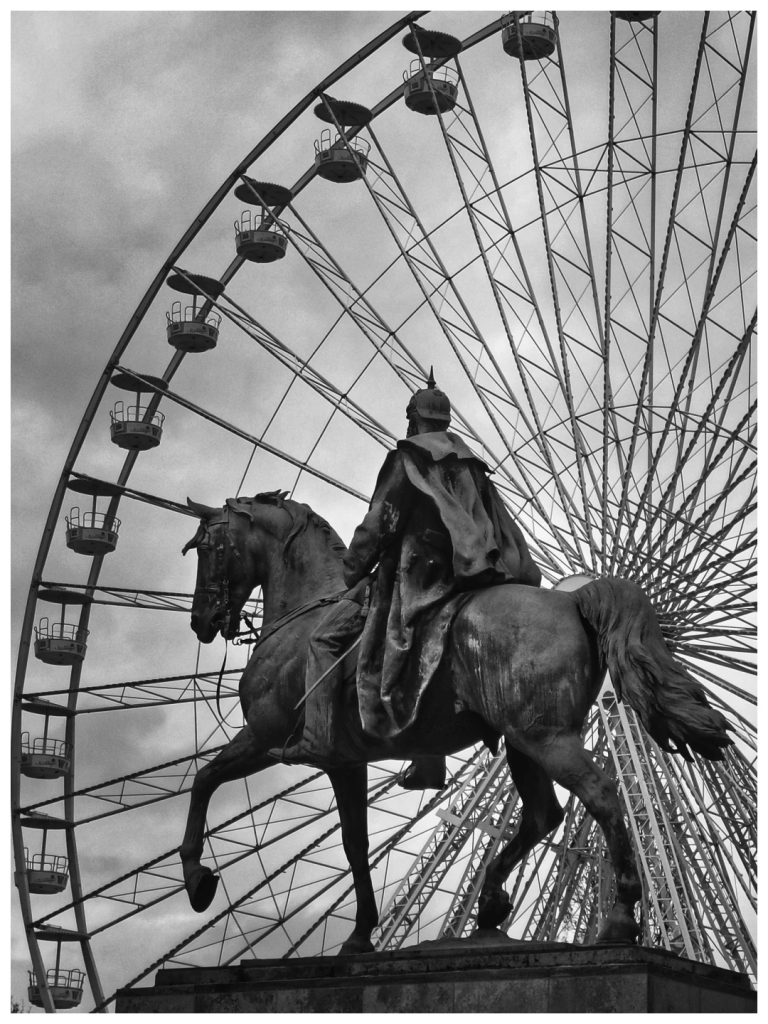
123, 126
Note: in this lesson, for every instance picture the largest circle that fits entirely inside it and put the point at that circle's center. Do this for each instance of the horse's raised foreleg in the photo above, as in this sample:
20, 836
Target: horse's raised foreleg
541, 814
566, 760
351, 788
240, 758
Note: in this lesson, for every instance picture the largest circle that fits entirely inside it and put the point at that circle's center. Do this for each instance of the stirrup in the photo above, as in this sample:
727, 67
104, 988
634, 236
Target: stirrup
419, 776
299, 753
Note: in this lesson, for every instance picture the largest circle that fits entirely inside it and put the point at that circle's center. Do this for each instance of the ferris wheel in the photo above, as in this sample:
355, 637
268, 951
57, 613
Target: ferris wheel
570, 242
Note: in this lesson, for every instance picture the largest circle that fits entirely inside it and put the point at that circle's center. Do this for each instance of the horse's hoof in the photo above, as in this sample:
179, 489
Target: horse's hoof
201, 889
619, 927
493, 909
356, 944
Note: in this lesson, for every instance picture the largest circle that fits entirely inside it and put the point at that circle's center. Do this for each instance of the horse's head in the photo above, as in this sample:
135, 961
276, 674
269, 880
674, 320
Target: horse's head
225, 575
269, 541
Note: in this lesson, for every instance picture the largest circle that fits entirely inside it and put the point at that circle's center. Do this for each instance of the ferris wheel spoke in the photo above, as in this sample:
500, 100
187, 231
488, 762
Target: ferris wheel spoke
706, 841
683, 379
688, 520
734, 788
701, 572
676, 546
366, 318
380, 853
631, 240
145, 893
573, 255
716, 620
301, 370
724, 684
383, 335
163, 690
730, 662
520, 278
150, 778
653, 838
740, 447
691, 660
258, 443
554, 876
471, 810
464, 330
318, 815
649, 359
733, 524
420, 253
266, 833
173, 953
718, 921
129, 597
298, 366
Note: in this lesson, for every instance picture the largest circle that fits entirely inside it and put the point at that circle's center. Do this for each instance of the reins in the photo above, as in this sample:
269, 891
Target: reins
274, 628
294, 614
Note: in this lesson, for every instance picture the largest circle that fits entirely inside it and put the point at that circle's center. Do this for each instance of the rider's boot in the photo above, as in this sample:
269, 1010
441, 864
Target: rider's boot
315, 746
424, 773
334, 636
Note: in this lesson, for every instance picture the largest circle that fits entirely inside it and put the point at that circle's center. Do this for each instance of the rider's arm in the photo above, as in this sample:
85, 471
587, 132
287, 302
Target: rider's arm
530, 573
383, 522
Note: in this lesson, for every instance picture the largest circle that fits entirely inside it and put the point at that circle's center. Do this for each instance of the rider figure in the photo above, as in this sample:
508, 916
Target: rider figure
436, 527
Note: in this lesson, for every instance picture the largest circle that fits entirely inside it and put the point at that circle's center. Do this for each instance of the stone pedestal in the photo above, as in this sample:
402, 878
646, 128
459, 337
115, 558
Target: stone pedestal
456, 977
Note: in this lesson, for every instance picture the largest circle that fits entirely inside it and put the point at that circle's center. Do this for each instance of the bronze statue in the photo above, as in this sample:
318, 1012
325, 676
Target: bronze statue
524, 664
436, 528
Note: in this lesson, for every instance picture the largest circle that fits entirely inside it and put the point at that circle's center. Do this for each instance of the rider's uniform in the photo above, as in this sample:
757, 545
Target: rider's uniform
436, 527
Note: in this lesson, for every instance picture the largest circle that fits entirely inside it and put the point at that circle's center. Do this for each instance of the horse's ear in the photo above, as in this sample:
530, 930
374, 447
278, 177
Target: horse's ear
195, 540
205, 512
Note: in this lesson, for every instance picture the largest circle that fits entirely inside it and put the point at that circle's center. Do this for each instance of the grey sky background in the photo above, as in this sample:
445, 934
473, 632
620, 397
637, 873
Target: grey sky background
123, 125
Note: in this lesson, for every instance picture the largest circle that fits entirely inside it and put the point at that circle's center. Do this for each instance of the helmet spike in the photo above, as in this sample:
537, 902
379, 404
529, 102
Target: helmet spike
430, 403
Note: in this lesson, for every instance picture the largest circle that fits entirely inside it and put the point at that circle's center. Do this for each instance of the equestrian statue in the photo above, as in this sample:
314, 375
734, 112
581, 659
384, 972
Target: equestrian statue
428, 635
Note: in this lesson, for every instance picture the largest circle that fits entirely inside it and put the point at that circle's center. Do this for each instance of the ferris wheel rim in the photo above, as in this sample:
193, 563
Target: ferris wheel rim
113, 364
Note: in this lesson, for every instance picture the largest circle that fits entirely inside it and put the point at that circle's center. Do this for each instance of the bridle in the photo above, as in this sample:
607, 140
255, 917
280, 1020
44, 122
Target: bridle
223, 549
220, 588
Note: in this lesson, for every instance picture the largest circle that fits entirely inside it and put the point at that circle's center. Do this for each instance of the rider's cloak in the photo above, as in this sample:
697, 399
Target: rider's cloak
437, 527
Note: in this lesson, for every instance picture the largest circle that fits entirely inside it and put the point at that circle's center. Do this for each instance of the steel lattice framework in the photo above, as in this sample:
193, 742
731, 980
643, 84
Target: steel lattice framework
588, 292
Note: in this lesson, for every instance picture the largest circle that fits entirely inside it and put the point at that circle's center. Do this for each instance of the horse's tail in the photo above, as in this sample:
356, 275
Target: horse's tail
670, 703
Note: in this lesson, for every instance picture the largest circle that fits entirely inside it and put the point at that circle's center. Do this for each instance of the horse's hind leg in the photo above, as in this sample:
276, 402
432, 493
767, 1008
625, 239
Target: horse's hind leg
565, 759
240, 758
541, 815
350, 784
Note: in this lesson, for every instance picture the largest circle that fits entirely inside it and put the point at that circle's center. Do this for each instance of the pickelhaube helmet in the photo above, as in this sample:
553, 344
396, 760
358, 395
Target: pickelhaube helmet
430, 403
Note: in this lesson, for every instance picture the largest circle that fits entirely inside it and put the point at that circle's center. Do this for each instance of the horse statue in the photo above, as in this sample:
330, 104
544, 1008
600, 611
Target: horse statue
522, 663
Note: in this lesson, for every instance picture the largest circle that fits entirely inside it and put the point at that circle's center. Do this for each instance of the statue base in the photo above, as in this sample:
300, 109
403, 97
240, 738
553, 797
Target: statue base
485, 973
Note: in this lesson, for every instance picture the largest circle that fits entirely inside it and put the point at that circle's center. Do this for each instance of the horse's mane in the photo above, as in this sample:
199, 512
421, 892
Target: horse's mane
301, 515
